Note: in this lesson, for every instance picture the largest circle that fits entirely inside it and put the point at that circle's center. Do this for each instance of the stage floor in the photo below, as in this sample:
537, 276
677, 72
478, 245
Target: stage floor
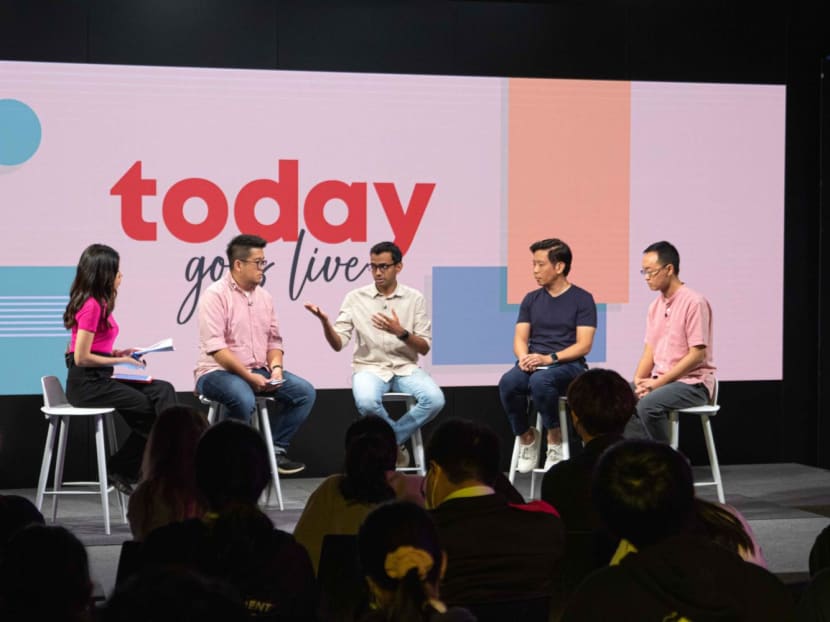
787, 506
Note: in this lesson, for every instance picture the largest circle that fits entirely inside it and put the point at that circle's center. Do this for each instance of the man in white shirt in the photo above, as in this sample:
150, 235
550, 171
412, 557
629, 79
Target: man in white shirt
392, 329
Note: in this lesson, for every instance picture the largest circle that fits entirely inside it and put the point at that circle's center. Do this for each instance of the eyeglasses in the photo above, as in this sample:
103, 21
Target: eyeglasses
651, 273
260, 263
383, 267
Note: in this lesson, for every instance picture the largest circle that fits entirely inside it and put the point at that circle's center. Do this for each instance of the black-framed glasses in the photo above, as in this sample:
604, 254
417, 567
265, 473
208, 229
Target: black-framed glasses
651, 273
260, 263
383, 267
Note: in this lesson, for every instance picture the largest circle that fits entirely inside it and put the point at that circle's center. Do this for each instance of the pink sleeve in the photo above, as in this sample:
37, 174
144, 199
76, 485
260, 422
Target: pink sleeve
89, 316
212, 314
274, 337
697, 324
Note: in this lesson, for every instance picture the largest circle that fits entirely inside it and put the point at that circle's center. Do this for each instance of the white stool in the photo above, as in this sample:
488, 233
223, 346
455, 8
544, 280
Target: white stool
566, 451
704, 412
416, 438
262, 423
60, 412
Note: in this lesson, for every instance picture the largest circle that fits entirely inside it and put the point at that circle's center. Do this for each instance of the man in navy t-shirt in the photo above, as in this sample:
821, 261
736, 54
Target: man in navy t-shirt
554, 332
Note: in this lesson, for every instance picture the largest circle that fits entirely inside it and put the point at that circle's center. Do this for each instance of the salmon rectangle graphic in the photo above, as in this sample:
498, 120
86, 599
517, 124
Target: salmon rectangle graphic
568, 178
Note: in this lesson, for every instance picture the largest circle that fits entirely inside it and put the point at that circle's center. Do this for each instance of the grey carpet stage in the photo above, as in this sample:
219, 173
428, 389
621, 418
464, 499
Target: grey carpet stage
787, 505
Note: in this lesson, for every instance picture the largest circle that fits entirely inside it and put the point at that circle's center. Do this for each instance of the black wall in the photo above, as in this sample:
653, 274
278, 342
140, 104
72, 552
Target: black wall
778, 42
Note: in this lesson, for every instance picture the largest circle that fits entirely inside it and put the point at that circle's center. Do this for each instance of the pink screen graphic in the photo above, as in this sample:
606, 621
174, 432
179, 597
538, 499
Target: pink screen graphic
167, 164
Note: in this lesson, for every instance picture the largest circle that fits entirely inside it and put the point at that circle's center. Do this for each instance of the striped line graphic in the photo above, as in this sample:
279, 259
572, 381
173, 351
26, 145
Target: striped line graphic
32, 316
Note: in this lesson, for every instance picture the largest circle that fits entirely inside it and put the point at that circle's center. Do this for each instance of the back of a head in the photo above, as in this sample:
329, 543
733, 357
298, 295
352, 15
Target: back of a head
401, 554
16, 512
173, 594
44, 574
231, 465
722, 527
602, 401
371, 451
466, 450
820, 553
171, 445
643, 491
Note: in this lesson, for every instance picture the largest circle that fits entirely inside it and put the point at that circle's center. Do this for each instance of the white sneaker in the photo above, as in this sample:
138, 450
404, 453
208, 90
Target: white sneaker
529, 454
554, 455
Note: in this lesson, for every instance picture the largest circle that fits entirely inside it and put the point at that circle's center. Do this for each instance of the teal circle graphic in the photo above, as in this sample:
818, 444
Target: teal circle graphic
20, 132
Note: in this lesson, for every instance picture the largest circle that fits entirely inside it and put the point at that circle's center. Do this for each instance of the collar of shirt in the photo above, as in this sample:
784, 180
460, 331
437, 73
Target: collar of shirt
470, 491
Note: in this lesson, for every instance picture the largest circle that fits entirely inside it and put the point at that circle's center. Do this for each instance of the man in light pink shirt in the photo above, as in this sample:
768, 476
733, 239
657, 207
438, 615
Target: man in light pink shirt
676, 368
241, 352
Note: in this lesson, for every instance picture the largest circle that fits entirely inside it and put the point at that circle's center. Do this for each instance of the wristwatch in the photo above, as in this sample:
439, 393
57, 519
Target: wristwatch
274, 366
404, 336
554, 357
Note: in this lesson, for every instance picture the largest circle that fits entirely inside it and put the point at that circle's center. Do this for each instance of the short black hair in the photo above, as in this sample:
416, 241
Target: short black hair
465, 450
643, 491
371, 450
388, 247
557, 251
602, 400
666, 254
231, 465
240, 247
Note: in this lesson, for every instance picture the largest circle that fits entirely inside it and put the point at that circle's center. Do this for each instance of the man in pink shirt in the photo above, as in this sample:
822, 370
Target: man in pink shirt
240, 349
676, 368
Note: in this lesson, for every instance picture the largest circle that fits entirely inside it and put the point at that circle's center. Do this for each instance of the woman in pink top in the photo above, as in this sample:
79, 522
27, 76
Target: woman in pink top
91, 357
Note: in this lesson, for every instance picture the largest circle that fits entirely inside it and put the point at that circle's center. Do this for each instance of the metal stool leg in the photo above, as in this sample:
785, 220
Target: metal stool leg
418, 451
713, 457
58, 483
533, 473
265, 430
100, 452
563, 426
48, 448
112, 444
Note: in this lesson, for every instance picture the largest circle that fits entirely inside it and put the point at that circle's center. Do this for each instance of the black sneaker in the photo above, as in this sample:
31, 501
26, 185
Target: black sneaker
120, 482
287, 466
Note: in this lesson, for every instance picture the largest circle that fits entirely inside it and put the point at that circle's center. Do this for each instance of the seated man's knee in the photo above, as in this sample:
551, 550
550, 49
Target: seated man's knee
368, 404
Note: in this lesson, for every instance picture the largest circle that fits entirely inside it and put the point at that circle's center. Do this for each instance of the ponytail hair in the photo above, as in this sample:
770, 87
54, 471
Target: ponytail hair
400, 553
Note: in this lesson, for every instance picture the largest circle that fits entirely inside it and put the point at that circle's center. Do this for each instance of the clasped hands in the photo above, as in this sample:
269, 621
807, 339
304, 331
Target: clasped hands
644, 386
530, 362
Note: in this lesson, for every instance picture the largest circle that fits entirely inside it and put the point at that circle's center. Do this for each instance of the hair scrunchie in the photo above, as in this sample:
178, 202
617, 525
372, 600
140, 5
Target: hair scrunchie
404, 558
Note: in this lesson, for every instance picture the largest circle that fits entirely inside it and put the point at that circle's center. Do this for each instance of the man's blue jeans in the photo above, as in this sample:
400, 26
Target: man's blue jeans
295, 395
368, 390
544, 386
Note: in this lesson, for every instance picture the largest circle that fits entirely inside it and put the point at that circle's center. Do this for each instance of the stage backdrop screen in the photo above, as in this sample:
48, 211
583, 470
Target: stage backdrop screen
168, 164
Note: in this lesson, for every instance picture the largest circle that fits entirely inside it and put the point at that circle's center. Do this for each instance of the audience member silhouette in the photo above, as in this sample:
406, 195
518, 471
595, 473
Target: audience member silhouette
644, 492
814, 604
16, 512
499, 553
725, 526
341, 502
403, 563
167, 490
44, 575
173, 594
235, 541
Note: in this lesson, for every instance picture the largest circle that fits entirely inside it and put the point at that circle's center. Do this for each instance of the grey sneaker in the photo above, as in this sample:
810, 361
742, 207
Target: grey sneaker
403, 457
287, 466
